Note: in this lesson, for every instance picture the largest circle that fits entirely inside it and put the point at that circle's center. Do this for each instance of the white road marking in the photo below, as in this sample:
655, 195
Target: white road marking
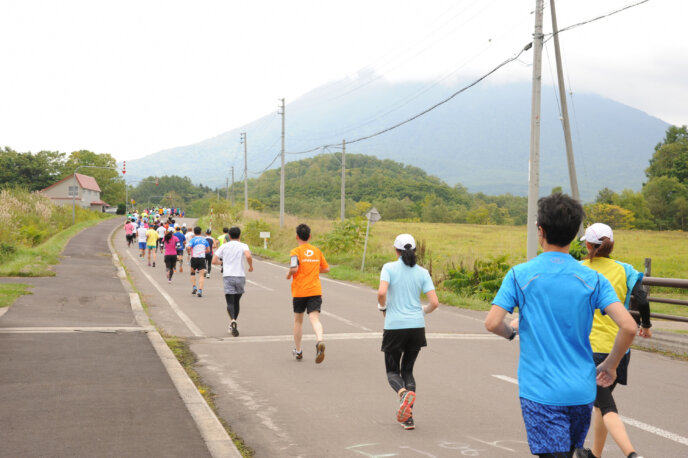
506, 379
629, 421
338, 336
344, 320
195, 330
654, 430
61, 329
258, 285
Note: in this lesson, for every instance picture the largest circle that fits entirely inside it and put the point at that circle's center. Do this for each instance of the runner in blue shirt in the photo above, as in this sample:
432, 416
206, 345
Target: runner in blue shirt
557, 298
401, 284
197, 249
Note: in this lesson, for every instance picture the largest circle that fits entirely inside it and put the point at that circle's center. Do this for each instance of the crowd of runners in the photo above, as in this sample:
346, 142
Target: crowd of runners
574, 327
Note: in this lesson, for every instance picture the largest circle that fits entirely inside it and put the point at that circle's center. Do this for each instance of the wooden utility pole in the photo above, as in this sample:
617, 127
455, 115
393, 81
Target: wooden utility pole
243, 140
534, 163
564, 107
343, 212
232, 185
227, 195
282, 172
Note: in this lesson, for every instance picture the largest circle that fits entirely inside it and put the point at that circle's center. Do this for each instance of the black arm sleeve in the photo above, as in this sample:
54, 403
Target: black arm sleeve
639, 298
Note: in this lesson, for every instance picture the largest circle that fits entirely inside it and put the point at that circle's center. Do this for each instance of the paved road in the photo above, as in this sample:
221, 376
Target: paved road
467, 397
78, 376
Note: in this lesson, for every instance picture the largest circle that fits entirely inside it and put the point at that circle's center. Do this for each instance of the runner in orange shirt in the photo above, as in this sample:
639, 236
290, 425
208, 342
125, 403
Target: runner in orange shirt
307, 263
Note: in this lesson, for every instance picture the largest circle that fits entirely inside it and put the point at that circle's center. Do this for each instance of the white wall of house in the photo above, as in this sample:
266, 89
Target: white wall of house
61, 194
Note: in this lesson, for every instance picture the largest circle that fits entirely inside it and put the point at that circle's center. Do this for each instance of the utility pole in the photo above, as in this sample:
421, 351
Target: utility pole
232, 185
343, 179
564, 110
243, 140
282, 172
534, 163
227, 196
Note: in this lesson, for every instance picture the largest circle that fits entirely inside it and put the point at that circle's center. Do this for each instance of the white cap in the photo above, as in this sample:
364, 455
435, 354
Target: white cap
595, 232
404, 239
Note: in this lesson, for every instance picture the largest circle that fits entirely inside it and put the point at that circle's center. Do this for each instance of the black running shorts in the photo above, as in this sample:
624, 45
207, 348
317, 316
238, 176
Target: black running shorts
198, 263
310, 304
411, 339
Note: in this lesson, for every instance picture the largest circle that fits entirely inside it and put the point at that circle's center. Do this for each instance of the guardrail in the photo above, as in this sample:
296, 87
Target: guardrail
648, 281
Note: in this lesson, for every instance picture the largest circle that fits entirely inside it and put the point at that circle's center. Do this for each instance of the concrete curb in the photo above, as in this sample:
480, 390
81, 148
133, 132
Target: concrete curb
219, 444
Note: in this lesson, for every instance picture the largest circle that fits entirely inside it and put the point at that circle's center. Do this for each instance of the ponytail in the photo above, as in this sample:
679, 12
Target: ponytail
408, 255
603, 250
168, 236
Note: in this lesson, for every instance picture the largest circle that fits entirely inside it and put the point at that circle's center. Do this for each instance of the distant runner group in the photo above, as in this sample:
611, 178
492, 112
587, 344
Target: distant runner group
573, 325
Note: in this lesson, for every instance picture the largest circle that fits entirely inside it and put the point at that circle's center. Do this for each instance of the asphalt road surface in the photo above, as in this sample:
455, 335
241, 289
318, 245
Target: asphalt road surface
467, 397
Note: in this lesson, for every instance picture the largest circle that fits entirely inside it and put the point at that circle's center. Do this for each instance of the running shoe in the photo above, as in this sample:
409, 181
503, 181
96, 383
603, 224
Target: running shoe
149, 264
153, 264
200, 293
408, 424
193, 291
207, 275
235, 331
406, 406
320, 352
297, 354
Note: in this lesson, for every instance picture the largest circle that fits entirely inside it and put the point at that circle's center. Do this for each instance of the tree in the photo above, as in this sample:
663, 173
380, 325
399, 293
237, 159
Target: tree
31, 171
613, 215
671, 156
606, 196
661, 193
110, 182
635, 202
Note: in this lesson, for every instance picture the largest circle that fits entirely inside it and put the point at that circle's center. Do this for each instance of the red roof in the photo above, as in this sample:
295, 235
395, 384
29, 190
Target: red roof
100, 202
84, 181
87, 182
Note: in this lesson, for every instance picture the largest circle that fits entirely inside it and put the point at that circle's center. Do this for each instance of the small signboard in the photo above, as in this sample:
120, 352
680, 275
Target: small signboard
264, 235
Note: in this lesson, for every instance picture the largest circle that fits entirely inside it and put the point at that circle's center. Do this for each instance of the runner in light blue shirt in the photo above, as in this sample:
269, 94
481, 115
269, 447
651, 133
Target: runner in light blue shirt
401, 284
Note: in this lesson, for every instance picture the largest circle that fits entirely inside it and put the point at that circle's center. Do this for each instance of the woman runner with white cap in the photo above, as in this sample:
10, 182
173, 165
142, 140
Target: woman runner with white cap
627, 282
401, 284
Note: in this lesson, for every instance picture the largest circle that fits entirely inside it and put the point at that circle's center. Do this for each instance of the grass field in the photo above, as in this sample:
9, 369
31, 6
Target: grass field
9, 292
452, 244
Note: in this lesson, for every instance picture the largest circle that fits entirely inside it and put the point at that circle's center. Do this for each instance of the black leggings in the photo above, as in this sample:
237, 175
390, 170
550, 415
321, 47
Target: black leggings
399, 366
170, 263
209, 262
568, 454
233, 305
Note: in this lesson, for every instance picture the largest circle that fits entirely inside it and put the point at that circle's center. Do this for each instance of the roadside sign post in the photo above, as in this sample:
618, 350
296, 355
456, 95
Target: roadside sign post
265, 236
373, 217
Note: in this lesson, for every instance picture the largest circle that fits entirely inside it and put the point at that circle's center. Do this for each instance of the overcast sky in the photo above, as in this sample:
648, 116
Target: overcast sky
130, 78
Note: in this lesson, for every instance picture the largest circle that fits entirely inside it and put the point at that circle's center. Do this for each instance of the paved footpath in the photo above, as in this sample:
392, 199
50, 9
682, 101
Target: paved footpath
467, 395
79, 374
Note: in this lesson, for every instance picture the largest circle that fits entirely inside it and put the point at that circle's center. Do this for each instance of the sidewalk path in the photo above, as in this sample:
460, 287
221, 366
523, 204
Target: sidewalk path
79, 376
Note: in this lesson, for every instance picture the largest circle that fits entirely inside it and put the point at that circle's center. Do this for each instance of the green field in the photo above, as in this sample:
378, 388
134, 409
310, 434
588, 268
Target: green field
449, 245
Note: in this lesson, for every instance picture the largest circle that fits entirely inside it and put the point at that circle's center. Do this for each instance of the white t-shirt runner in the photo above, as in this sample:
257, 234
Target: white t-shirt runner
232, 254
141, 232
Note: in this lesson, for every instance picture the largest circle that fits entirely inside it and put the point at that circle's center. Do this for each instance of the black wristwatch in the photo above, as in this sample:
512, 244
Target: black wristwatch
513, 334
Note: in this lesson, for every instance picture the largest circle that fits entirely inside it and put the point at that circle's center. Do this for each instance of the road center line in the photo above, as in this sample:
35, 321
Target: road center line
344, 320
322, 278
258, 285
195, 330
338, 336
629, 421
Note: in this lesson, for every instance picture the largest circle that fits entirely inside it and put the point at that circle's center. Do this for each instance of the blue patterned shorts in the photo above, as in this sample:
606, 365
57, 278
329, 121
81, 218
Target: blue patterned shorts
554, 429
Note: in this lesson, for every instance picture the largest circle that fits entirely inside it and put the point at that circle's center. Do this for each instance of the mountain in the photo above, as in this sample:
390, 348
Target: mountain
479, 139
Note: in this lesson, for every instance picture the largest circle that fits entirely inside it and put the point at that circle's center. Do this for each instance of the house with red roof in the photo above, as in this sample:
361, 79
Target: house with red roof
83, 190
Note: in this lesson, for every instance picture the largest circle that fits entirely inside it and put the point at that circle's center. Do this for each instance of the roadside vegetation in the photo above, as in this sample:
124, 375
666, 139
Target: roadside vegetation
36, 232
9, 292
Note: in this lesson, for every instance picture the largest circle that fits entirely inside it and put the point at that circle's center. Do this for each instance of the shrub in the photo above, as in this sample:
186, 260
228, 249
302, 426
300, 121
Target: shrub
251, 232
483, 281
346, 236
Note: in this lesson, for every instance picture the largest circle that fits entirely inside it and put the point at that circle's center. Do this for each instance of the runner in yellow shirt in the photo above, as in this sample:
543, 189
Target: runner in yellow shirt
151, 241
